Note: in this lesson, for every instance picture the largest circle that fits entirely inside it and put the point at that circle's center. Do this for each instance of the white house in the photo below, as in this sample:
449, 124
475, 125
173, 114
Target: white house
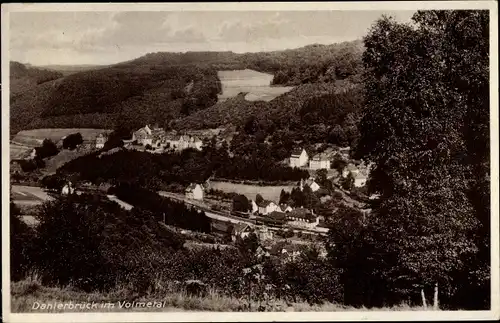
143, 136
266, 207
311, 183
67, 189
319, 162
360, 179
195, 192
302, 218
299, 158
100, 141
241, 230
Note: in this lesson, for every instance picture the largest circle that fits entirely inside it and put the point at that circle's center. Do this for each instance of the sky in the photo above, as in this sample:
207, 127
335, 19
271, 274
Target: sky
104, 37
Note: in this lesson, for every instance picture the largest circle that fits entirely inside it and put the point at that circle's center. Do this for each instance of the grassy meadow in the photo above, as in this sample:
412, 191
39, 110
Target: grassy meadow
30, 291
250, 191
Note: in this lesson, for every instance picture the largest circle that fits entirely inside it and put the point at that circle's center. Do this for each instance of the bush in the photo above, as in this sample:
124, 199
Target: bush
93, 243
53, 182
21, 245
47, 149
72, 141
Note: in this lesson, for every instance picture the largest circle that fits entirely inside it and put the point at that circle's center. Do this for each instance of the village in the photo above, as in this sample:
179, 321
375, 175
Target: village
266, 217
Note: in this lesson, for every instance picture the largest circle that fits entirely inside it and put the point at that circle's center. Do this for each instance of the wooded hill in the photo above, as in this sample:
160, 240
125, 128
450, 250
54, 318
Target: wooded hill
154, 88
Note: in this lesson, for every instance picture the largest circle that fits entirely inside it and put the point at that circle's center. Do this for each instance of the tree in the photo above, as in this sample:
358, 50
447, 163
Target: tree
414, 129
347, 182
47, 149
259, 199
241, 203
21, 245
339, 163
53, 182
72, 141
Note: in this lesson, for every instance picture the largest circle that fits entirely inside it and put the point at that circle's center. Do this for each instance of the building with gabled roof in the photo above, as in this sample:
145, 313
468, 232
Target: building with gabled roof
241, 230
299, 158
319, 162
302, 218
195, 192
266, 207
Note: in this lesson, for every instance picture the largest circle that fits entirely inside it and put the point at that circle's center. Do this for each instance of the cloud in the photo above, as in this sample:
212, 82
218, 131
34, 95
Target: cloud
87, 37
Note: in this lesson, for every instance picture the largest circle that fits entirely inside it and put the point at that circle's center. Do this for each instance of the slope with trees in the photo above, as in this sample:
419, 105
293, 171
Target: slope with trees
428, 232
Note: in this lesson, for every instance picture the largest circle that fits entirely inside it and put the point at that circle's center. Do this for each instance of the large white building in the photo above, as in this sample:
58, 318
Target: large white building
319, 162
195, 192
299, 158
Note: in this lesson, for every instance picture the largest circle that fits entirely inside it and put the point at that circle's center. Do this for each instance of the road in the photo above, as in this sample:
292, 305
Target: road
227, 217
32, 195
29, 195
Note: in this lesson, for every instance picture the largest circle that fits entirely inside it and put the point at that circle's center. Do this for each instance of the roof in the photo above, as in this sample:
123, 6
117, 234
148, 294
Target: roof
277, 215
283, 206
192, 186
264, 203
320, 157
302, 213
222, 226
239, 228
297, 152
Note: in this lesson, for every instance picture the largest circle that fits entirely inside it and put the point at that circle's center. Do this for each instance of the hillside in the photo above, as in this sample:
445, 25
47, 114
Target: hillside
126, 94
317, 112
24, 78
154, 88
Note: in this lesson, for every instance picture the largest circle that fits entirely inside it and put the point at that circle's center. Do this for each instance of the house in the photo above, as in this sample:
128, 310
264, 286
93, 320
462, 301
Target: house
311, 183
266, 207
360, 179
158, 137
241, 230
100, 140
195, 192
319, 162
143, 136
67, 189
182, 142
299, 158
302, 218
255, 208
222, 228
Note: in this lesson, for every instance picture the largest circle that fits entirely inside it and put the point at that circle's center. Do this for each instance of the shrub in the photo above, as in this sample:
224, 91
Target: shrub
72, 141
47, 149
93, 243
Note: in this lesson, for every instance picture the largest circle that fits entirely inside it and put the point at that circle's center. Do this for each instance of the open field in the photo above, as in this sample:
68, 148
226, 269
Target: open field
34, 137
250, 191
26, 293
29, 195
19, 151
256, 84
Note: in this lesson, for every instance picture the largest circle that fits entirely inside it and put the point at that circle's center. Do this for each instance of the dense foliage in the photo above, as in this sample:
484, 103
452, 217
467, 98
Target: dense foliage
127, 94
91, 243
157, 171
163, 209
72, 141
426, 102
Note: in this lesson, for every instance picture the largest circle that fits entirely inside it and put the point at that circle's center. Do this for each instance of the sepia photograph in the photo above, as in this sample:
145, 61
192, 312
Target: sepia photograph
250, 161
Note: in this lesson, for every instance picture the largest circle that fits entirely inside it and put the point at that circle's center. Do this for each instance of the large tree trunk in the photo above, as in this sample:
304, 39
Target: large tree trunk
424, 302
436, 301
